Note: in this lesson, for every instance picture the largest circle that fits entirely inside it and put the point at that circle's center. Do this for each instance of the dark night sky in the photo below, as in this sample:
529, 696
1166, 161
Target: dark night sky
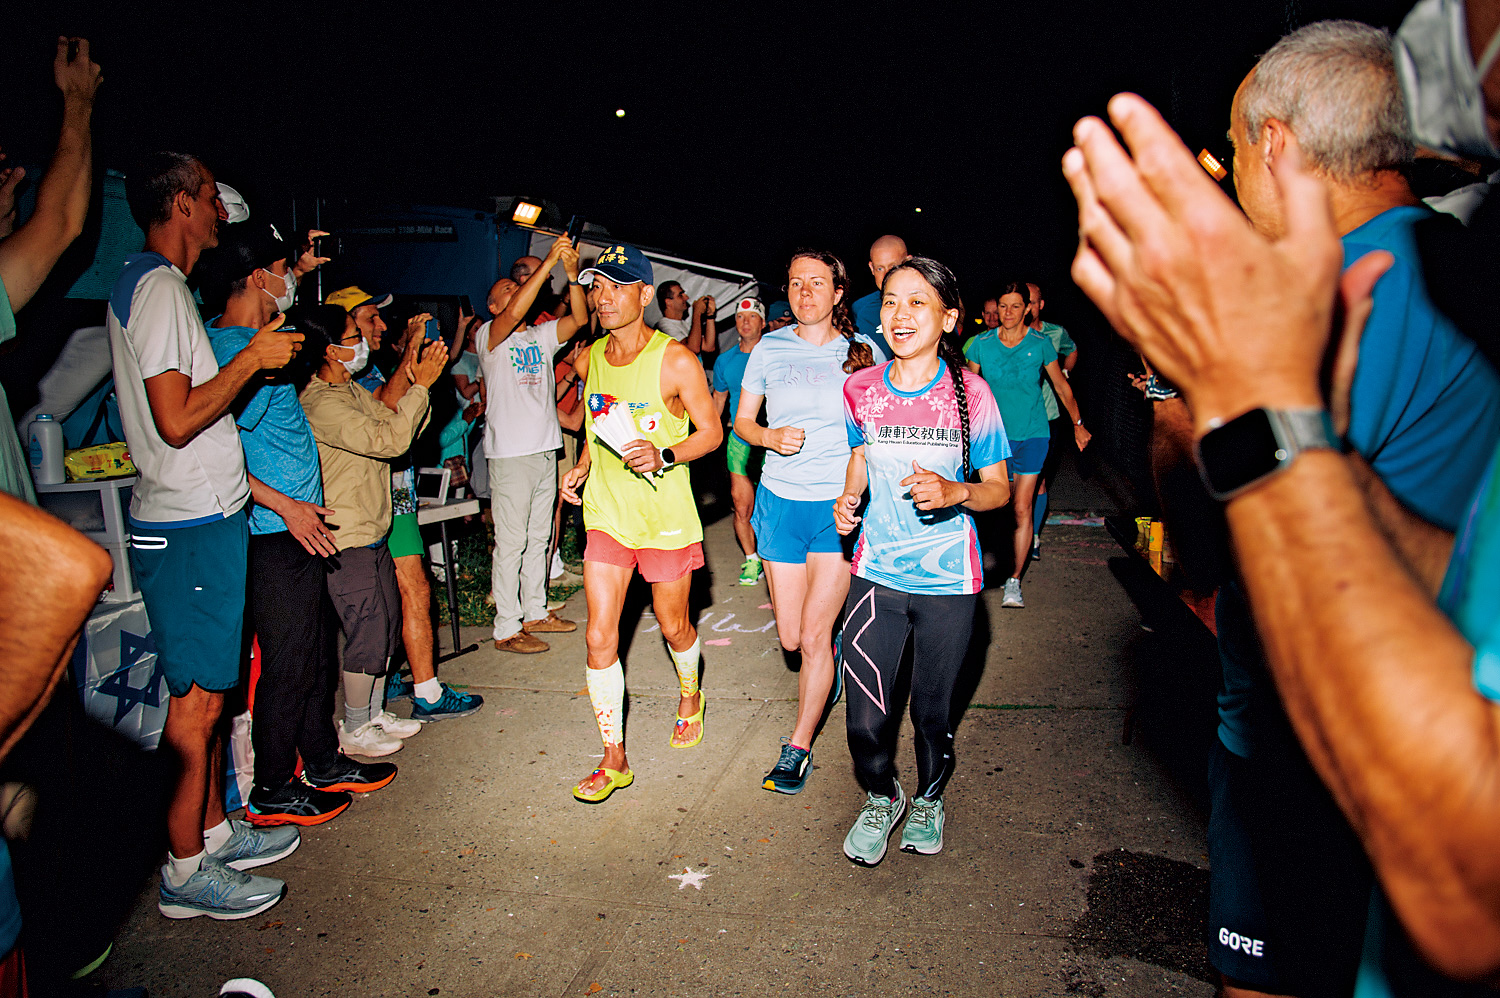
744, 136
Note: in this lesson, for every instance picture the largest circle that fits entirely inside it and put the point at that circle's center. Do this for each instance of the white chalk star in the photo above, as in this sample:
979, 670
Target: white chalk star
687, 876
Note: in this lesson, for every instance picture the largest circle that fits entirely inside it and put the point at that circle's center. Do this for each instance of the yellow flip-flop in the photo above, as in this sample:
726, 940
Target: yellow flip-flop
702, 703
617, 780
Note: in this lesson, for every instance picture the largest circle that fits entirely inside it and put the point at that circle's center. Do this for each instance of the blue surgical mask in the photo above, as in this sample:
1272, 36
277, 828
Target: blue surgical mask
1442, 86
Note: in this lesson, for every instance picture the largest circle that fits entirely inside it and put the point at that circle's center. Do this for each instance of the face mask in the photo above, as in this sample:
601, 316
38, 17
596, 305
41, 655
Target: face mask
361, 356
288, 296
1441, 84
234, 204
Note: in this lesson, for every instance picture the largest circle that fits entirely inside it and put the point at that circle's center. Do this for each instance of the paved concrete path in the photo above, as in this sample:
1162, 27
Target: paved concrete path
476, 873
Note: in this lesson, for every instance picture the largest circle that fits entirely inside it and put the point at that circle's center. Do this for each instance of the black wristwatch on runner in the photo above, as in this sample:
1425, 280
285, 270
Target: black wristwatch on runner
1239, 454
667, 458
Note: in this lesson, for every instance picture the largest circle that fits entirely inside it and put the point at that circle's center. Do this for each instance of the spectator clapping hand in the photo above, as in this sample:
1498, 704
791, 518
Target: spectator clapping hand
426, 367
10, 180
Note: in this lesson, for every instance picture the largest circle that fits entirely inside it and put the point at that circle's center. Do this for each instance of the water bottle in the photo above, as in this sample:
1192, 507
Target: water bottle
46, 451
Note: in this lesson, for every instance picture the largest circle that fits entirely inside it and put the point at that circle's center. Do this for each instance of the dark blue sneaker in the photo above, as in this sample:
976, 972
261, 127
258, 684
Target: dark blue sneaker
450, 705
397, 687
790, 774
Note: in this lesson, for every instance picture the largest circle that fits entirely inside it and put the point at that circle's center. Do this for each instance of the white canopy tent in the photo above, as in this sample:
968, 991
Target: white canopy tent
697, 279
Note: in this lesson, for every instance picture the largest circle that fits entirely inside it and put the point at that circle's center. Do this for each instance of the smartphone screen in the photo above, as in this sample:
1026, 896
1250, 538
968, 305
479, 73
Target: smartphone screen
433, 332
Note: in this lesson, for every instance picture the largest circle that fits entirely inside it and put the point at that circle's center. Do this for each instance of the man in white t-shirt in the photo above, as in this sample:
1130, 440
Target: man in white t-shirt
189, 530
521, 439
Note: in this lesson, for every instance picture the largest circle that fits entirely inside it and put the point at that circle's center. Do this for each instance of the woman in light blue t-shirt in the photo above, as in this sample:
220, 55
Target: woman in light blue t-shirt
798, 373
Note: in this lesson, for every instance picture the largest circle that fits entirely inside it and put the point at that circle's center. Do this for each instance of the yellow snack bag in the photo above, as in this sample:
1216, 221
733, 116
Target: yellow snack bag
85, 464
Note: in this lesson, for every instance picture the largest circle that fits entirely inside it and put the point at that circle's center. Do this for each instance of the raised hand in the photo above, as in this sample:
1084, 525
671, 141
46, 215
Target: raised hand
428, 367
307, 260
77, 77
10, 180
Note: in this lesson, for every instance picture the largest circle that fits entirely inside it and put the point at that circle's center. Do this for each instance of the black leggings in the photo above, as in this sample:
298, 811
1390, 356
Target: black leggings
877, 621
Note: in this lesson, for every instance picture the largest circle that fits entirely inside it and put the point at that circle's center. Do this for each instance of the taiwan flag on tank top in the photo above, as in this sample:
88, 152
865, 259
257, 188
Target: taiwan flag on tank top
932, 553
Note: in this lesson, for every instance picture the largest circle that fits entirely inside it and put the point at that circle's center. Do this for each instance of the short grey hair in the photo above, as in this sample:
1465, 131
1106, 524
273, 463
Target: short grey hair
1333, 83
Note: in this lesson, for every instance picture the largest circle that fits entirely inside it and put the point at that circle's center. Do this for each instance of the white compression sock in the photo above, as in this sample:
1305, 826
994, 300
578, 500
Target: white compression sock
215, 837
607, 693
430, 690
687, 667
180, 869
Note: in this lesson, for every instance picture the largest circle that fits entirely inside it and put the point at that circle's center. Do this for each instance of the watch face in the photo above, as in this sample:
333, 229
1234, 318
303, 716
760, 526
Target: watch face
1241, 451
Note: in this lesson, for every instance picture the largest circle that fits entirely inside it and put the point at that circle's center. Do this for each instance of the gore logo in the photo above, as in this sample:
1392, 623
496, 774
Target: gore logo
1252, 947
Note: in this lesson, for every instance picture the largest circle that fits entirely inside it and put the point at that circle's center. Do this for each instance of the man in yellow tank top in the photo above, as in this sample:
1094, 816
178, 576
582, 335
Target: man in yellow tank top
638, 506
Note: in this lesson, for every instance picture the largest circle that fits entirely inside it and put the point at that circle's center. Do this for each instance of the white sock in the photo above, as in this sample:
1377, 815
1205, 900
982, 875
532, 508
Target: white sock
377, 697
557, 566
607, 693
215, 837
687, 667
430, 690
178, 870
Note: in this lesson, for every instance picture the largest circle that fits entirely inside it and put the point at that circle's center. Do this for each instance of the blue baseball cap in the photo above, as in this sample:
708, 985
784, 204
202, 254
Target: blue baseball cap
779, 310
622, 264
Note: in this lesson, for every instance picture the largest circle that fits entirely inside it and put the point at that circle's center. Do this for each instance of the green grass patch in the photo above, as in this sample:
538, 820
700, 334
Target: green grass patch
476, 608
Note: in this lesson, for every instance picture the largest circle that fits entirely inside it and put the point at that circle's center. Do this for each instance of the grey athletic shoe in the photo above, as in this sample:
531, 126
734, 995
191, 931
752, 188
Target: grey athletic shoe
924, 829
867, 840
219, 892
249, 847
1012, 597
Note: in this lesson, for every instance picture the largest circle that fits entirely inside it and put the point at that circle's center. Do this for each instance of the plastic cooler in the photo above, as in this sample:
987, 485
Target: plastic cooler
98, 510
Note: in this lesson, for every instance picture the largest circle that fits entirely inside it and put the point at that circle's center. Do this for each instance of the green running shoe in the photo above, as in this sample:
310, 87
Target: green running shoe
867, 840
924, 829
751, 571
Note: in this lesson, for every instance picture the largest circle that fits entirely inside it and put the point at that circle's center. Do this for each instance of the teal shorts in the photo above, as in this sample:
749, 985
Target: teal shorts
405, 537
742, 458
192, 580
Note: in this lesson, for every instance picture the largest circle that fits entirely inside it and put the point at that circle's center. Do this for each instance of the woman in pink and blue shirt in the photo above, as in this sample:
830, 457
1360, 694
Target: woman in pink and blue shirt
918, 426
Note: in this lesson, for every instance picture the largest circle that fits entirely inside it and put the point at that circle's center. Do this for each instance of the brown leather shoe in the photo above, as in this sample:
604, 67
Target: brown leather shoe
522, 644
550, 624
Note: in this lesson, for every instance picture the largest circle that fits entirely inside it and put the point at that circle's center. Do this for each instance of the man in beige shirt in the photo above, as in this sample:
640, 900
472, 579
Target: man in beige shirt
357, 437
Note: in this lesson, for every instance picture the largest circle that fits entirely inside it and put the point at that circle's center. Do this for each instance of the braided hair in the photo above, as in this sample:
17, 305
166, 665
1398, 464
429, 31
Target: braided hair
942, 281
860, 355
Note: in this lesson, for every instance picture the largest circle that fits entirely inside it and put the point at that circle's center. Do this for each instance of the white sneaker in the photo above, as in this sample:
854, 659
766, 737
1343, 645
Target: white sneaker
367, 740
401, 727
1013, 594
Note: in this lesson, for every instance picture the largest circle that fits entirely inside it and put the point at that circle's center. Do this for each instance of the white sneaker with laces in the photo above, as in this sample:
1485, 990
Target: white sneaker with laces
401, 727
1012, 596
367, 740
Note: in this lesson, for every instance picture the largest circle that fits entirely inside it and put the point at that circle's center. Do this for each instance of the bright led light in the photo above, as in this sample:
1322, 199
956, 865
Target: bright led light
919, 211
620, 112
526, 213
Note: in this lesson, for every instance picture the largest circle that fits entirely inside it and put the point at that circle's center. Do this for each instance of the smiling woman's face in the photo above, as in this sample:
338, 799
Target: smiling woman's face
912, 315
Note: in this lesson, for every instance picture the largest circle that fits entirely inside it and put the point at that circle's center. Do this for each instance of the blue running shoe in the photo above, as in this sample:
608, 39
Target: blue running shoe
397, 687
219, 892
450, 705
249, 847
790, 774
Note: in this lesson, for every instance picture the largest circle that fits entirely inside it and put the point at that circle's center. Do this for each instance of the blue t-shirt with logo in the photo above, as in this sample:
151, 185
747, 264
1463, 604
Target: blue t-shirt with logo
1424, 412
803, 386
279, 445
729, 375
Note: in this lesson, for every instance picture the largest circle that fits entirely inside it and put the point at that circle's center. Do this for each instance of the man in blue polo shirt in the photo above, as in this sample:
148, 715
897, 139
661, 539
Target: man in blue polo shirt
1291, 883
729, 374
189, 531
288, 541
